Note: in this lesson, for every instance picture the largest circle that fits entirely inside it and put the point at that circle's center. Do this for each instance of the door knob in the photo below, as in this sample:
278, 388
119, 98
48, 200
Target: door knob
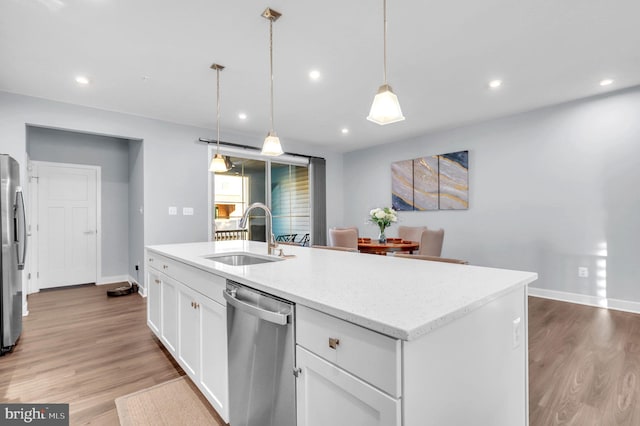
333, 342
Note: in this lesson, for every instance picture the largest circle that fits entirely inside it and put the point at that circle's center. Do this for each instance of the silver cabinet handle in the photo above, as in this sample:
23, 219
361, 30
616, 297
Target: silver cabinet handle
89, 232
274, 317
333, 342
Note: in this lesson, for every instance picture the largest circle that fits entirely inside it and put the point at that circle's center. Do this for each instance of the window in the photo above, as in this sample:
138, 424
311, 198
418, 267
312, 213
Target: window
290, 202
291, 186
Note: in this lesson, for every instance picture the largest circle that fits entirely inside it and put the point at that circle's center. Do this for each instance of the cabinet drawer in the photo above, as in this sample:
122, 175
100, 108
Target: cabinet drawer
369, 355
201, 281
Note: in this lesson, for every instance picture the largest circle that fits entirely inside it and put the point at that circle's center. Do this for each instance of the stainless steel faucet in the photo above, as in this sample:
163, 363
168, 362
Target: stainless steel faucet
271, 241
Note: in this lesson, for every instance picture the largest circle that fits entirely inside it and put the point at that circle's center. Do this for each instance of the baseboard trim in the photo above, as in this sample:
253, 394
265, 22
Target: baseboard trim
141, 290
113, 279
583, 299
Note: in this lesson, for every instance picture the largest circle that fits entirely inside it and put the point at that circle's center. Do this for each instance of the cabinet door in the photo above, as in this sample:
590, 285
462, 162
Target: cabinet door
170, 314
154, 301
328, 395
188, 332
214, 374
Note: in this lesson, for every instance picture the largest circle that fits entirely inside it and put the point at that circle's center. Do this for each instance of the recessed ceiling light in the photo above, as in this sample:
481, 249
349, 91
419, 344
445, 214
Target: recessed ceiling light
606, 82
242, 116
344, 130
81, 79
494, 84
314, 75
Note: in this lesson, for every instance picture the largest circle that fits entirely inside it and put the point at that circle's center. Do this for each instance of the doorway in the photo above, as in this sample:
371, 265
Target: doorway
119, 242
67, 205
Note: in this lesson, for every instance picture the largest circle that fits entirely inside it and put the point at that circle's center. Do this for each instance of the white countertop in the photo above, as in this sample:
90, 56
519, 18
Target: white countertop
402, 298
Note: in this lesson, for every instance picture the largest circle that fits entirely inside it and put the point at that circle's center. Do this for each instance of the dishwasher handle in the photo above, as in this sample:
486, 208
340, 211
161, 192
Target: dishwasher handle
274, 317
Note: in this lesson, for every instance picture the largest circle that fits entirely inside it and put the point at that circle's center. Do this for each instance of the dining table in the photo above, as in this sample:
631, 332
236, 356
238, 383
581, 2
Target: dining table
373, 246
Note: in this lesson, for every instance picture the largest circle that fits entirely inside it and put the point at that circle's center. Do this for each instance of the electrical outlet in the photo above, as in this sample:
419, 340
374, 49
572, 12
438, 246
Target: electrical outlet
173, 211
517, 332
187, 211
583, 272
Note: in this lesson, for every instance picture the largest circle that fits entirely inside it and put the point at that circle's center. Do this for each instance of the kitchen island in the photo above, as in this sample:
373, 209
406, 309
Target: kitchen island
420, 342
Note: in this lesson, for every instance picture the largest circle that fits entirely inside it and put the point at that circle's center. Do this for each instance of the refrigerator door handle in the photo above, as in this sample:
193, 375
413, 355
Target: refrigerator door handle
20, 197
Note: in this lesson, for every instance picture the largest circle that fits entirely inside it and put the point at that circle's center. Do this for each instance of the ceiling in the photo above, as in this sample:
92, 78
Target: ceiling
151, 58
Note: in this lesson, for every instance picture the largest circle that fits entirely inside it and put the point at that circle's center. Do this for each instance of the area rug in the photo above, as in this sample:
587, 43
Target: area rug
176, 402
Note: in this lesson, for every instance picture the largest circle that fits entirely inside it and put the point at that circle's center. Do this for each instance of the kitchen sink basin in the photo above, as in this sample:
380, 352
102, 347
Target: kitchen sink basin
241, 259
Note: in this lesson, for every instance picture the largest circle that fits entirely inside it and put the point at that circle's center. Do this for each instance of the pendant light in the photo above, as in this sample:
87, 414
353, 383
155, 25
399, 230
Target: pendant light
271, 145
218, 163
385, 108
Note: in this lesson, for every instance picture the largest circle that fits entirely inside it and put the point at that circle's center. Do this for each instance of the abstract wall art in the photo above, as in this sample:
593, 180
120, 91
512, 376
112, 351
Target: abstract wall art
402, 185
438, 182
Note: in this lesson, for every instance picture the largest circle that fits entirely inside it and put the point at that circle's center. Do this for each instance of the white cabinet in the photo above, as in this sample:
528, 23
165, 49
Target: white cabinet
188, 331
348, 375
154, 301
169, 313
328, 395
214, 376
191, 325
203, 345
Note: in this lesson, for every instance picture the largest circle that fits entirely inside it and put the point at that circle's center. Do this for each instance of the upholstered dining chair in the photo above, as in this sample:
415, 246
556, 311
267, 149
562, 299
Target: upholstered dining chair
355, 228
431, 242
433, 258
343, 237
411, 233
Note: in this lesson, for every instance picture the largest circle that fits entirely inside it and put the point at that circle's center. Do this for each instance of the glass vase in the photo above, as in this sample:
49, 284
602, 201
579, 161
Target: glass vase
382, 238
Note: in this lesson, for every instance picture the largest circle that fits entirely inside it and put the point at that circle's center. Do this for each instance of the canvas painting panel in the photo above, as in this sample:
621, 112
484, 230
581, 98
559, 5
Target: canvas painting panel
425, 181
402, 185
454, 181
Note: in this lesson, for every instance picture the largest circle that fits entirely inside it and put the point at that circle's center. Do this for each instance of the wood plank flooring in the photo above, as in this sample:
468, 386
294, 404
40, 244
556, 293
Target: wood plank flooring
81, 347
584, 365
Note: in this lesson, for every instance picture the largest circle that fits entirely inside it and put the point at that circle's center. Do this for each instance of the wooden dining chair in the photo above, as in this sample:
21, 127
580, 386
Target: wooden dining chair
355, 250
343, 237
431, 242
432, 258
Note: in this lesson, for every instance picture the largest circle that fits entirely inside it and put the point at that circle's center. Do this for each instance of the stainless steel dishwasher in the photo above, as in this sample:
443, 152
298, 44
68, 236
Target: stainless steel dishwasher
260, 337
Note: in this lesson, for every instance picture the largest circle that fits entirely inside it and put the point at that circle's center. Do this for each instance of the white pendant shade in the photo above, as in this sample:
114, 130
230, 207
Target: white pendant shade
271, 145
218, 165
385, 108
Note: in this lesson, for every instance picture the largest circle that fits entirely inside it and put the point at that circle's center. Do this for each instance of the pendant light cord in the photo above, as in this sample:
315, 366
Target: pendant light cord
384, 31
218, 109
271, 67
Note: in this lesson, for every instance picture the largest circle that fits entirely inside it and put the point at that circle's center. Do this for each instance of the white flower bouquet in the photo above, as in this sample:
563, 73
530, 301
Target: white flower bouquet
383, 217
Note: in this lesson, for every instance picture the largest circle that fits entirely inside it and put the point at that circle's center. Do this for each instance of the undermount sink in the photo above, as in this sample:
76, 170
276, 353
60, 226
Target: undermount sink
241, 259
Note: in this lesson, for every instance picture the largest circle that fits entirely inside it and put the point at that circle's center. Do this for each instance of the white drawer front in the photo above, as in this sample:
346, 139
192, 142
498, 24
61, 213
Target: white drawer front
373, 357
201, 281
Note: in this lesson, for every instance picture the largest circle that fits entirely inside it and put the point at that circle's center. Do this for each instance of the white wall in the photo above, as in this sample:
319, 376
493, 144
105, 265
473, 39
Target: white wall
550, 190
175, 165
136, 211
112, 155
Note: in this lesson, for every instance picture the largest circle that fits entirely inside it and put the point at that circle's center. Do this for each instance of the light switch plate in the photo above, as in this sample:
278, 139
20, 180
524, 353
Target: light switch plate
187, 211
173, 211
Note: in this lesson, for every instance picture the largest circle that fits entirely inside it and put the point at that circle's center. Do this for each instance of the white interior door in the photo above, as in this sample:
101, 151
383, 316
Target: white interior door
67, 224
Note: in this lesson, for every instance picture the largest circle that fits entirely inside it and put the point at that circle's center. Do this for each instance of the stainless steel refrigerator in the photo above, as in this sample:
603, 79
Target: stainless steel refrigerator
14, 250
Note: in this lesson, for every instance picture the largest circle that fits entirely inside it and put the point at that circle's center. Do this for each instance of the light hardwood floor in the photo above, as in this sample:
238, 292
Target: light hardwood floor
81, 347
584, 365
